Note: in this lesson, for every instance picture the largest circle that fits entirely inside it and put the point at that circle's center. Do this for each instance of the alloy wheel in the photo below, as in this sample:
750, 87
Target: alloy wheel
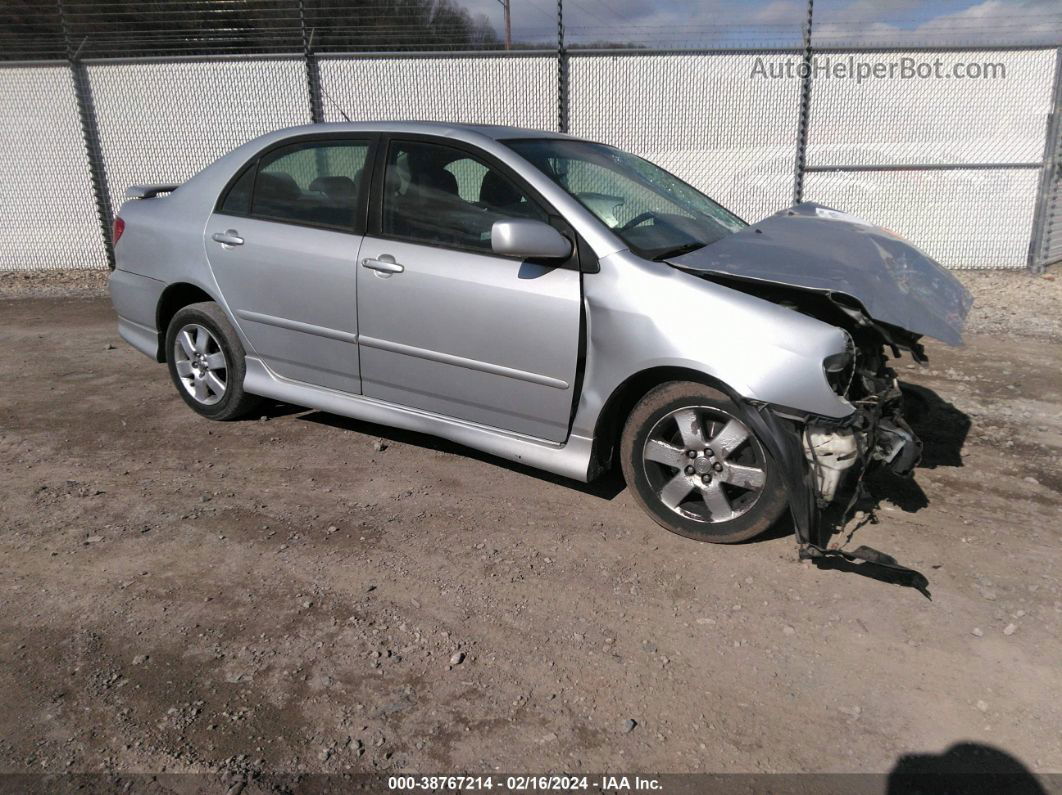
704, 464
200, 363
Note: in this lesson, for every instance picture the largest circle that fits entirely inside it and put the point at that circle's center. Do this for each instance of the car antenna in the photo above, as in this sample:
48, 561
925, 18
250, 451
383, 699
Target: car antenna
325, 94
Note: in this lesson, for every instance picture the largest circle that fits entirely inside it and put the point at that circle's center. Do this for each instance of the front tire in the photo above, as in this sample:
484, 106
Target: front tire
206, 362
696, 468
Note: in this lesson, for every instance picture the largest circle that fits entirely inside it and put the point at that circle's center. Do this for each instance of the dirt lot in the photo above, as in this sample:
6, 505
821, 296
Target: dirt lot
306, 592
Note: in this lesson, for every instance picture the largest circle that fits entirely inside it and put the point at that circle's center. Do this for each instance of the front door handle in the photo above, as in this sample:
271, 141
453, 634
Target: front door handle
228, 238
384, 264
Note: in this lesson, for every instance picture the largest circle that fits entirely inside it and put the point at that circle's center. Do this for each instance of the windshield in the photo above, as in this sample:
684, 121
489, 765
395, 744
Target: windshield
655, 213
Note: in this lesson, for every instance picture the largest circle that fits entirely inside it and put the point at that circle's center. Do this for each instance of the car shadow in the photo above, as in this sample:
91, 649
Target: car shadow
272, 410
606, 487
966, 767
941, 426
943, 429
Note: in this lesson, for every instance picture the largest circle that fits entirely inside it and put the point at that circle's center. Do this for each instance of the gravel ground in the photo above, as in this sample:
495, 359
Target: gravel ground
304, 592
1015, 302
53, 284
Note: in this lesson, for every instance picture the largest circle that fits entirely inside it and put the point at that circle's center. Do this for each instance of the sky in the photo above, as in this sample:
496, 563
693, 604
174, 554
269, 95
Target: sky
682, 23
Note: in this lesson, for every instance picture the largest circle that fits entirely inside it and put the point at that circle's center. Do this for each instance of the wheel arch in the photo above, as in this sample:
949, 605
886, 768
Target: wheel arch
625, 397
174, 298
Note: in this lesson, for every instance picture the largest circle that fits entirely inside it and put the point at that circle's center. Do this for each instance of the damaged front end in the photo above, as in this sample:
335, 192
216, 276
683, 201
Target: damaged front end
824, 460
836, 453
885, 294
875, 434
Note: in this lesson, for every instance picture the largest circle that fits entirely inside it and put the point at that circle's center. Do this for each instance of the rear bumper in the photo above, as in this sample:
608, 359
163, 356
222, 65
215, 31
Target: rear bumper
136, 298
144, 339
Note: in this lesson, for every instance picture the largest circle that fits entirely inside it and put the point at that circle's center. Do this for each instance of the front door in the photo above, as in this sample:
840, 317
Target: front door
446, 325
283, 247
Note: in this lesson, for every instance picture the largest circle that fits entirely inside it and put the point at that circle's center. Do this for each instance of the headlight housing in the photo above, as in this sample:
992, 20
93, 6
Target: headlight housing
840, 367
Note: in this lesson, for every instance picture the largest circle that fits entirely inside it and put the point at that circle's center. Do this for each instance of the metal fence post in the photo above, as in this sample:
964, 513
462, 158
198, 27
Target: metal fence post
313, 71
562, 72
1045, 216
805, 112
90, 131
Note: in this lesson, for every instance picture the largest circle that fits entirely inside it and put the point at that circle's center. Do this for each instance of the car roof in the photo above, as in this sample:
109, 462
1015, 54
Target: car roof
496, 132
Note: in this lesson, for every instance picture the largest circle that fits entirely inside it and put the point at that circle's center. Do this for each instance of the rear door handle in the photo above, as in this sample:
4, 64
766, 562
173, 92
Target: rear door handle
385, 264
228, 238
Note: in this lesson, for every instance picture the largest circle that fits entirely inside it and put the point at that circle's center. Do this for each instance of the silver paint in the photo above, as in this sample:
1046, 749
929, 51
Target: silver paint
200, 364
818, 248
527, 238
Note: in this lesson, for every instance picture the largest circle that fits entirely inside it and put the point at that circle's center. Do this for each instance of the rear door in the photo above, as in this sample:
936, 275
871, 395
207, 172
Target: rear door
283, 246
446, 325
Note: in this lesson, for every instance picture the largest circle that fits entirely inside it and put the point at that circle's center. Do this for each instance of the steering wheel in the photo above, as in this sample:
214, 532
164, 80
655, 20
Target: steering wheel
640, 218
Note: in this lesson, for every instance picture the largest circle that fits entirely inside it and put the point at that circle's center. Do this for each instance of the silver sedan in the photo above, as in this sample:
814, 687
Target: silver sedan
546, 299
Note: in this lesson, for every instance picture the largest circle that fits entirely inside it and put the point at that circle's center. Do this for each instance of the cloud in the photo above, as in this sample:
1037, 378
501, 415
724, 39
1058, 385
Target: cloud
987, 22
781, 11
678, 23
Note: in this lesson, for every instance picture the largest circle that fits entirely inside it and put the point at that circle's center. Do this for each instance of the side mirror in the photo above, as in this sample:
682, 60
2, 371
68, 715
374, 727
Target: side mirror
528, 239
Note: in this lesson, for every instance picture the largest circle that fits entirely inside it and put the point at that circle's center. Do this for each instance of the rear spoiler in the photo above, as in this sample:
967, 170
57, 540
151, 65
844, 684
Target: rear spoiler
148, 191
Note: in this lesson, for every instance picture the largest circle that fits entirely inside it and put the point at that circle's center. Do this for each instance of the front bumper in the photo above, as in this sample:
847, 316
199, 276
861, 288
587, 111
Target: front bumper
876, 434
877, 440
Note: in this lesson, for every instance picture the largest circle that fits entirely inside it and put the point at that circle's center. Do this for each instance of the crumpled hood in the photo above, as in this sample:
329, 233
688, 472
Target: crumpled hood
815, 248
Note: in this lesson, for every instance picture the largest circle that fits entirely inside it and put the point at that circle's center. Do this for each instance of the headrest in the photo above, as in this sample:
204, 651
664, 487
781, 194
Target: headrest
436, 178
276, 186
339, 188
497, 191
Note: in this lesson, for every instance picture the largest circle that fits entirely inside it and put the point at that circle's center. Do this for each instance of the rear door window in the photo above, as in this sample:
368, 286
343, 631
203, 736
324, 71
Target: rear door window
238, 200
314, 183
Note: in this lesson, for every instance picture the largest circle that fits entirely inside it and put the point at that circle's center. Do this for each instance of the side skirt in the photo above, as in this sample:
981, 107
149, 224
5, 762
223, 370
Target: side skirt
571, 459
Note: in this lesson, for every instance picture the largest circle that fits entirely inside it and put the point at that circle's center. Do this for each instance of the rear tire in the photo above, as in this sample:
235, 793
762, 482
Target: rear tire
696, 468
206, 362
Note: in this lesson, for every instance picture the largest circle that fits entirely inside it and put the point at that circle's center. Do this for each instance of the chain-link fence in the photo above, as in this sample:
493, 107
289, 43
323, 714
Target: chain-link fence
701, 117
162, 122
519, 90
965, 168
49, 214
950, 162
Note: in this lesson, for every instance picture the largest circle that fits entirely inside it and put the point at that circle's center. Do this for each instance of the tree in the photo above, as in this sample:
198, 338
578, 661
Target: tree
116, 28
